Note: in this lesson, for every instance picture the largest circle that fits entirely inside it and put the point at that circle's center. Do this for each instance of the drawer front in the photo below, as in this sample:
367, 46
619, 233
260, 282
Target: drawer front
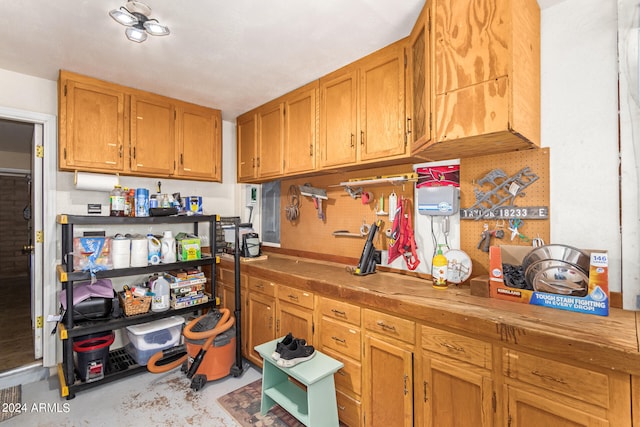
263, 286
390, 326
578, 383
295, 296
341, 311
341, 337
349, 410
349, 377
457, 346
227, 276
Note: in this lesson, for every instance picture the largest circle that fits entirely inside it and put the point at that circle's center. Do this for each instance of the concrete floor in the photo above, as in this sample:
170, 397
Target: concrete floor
141, 400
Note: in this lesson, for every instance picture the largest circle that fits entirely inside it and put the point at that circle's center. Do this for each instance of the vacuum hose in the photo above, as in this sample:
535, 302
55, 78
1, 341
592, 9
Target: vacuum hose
157, 363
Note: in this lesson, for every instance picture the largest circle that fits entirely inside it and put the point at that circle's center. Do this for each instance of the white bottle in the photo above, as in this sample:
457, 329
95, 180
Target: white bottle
153, 249
168, 248
160, 299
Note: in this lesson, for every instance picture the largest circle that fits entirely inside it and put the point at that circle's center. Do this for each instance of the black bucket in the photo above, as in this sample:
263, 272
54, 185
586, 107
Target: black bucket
92, 355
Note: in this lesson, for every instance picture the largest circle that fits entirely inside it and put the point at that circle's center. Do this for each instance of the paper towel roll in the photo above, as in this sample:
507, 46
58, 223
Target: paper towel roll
95, 182
120, 252
139, 252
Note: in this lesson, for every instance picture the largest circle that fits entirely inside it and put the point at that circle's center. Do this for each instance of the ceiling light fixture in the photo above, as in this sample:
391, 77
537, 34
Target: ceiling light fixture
135, 15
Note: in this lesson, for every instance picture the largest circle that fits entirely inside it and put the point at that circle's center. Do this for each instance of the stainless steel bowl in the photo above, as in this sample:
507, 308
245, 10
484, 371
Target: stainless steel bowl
564, 253
559, 277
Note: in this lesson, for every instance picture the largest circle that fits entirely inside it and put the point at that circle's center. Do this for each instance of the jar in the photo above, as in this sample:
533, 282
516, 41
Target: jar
116, 201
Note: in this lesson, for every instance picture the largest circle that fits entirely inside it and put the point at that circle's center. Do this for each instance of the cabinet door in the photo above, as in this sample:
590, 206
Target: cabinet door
338, 118
526, 409
247, 143
454, 394
381, 94
301, 113
296, 320
92, 126
270, 140
261, 326
199, 142
388, 397
418, 88
152, 135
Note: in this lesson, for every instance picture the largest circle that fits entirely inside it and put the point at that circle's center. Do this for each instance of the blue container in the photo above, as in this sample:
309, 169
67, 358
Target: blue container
142, 202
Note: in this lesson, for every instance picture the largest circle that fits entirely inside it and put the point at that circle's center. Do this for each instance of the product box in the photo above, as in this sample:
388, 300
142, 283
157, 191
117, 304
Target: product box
193, 205
188, 247
146, 339
595, 302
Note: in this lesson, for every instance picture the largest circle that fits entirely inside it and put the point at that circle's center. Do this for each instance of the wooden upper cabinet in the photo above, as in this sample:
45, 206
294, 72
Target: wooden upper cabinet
247, 145
106, 127
381, 98
338, 117
199, 144
300, 127
487, 77
418, 92
270, 140
92, 129
152, 135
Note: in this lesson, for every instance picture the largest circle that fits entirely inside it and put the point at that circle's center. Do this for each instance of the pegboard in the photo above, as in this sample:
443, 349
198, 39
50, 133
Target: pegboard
342, 212
472, 170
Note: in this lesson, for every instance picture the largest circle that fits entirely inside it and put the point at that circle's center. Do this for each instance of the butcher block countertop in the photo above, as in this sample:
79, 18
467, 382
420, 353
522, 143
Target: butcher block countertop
609, 342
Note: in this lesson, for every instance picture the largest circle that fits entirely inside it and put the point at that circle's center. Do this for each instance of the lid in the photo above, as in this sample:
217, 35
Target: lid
156, 325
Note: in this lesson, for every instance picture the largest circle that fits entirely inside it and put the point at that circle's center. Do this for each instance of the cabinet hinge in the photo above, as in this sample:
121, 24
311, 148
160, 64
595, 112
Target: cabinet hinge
430, 121
313, 328
278, 326
64, 153
509, 420
405, 60
493, 402
39, 236
40, 151
65, 90
429, 21
175, 115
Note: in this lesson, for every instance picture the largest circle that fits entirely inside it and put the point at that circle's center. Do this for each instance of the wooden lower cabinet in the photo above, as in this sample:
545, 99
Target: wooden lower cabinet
261, 312
294, 313
227, 294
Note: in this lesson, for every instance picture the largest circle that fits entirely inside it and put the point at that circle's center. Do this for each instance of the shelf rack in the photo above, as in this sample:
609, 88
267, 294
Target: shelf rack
120, 364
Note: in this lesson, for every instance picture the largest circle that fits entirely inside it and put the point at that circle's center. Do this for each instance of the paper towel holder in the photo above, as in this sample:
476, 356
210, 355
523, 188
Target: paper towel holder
75, 177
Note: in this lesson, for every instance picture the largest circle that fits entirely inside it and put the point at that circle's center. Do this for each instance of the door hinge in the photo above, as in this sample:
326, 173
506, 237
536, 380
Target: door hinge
39, 322
278, 326
509, 420
39, 236
40, 151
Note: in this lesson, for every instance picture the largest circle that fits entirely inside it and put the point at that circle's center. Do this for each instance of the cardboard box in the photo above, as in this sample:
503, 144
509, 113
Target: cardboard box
595, 302
188, 247
193, 205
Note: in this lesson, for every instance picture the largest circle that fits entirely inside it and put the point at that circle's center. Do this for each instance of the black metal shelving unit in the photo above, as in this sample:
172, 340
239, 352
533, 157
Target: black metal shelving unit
120, 363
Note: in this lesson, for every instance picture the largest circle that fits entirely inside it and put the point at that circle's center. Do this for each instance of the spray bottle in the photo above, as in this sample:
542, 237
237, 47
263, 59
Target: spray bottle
439, 270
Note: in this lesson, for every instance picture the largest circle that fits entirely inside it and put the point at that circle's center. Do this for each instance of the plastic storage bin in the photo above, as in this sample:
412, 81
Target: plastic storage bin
146, 339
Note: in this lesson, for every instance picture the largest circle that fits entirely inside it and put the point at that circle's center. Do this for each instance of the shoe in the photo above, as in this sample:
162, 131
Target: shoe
286, 341
295, 353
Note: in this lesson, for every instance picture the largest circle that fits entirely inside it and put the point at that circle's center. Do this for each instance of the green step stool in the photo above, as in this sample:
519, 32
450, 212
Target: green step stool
317, 407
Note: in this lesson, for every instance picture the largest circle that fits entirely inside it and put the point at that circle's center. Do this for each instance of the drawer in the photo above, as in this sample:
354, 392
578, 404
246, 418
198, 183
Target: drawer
263, 286
339, 310
340, 337
457, 346
349, 377
295, 296
349, 410
390, 326
578, 383
227, 275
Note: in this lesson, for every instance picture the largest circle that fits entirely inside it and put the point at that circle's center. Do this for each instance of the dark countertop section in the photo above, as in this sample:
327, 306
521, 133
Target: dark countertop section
609, 342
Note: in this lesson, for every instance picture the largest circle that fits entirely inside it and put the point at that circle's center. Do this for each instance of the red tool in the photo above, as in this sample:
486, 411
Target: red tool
404, 242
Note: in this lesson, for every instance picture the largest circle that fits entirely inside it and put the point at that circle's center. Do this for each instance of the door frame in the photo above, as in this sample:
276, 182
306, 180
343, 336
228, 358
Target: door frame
44, 170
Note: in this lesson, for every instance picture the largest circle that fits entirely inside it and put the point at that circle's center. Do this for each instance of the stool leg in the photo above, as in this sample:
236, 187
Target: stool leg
323, 407
271, 375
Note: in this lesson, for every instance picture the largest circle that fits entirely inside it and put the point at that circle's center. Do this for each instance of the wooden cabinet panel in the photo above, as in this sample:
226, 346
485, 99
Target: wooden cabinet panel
341, 338
349, 378
270, 140
261, 313
300, 141
390, 326
349, 410
247, 145
295, 296
340, 311
199, 142
338, 118
388, 394
381, 96
262, 286
525, 409
152, 135
91, 126
298, 321
454, 393
457, 346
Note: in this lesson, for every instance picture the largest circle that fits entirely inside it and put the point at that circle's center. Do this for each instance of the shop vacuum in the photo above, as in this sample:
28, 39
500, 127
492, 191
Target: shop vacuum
208, 352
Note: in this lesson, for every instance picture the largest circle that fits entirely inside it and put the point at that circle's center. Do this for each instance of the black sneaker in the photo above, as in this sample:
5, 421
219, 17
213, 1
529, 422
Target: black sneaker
286, 341
295, 353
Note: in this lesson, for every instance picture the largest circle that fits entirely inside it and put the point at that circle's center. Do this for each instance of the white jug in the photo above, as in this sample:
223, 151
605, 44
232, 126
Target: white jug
153, 249
160, 300
168, 248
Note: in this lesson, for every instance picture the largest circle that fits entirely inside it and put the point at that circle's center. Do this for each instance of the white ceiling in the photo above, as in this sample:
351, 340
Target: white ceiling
228, 54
